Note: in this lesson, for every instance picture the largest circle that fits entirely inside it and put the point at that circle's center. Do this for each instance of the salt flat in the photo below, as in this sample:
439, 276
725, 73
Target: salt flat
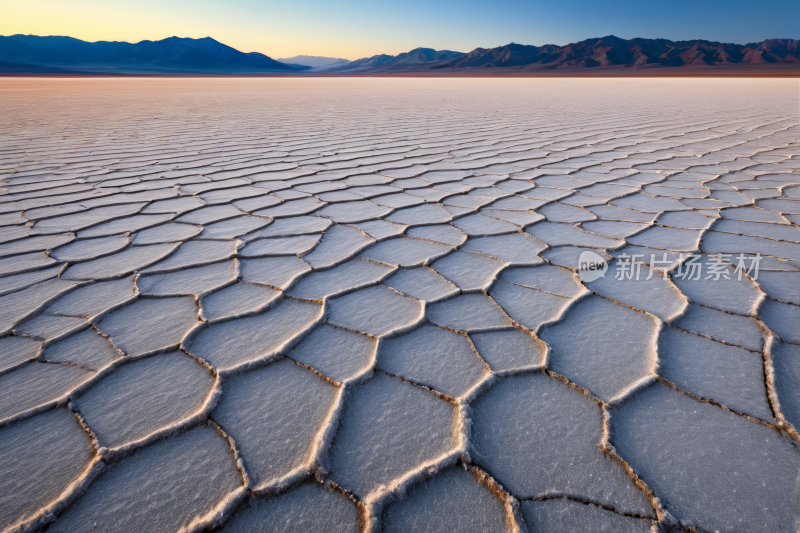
354, 305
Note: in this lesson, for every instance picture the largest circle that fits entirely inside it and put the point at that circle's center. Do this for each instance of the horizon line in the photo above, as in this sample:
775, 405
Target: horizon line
416, 48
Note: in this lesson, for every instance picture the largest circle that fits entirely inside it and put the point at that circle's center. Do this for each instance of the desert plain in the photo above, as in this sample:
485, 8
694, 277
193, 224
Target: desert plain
354, 304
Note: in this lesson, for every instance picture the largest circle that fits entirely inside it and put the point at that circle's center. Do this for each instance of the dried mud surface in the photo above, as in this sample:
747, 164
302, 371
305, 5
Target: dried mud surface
353, 305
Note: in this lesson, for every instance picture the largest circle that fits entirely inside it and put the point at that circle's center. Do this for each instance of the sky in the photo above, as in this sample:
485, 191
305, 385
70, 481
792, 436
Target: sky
352, 29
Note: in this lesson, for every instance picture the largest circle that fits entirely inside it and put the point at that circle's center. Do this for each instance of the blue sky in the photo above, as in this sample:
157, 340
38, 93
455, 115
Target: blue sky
359, 28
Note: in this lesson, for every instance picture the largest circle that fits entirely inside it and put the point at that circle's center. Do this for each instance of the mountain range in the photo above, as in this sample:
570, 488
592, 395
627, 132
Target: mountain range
634, 53
30, 54
174, 55
414, 59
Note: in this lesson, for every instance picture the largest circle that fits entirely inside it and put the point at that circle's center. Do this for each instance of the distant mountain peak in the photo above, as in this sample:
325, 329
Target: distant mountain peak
314, 61
415, 57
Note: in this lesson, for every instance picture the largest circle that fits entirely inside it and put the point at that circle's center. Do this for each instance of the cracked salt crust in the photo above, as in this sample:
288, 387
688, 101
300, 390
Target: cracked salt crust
302, 310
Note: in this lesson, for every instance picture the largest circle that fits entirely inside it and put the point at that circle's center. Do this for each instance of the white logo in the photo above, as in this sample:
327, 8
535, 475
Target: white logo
591, 266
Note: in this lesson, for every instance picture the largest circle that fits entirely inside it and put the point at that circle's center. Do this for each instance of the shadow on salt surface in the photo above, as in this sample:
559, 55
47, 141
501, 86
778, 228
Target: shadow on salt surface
308, 508
603, 346
41, 457
538, 436
388, 427
274, 442
684, 449
163, 487
434, 357
143, 397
